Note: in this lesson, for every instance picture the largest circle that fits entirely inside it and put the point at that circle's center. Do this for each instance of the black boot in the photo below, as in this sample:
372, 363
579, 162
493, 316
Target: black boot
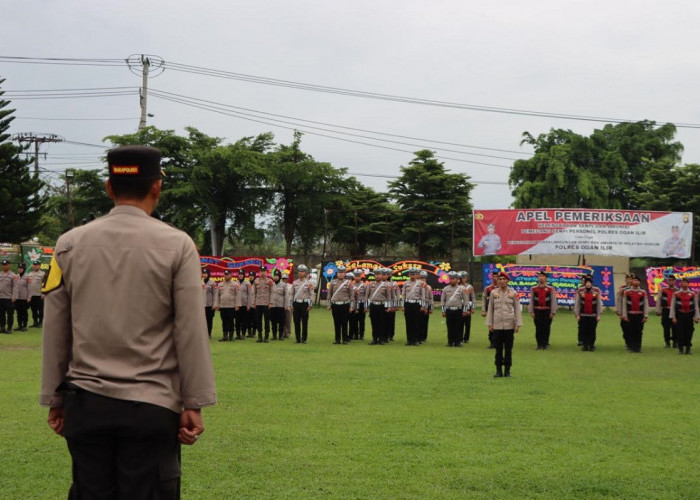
507, 374
499, 372
687, 349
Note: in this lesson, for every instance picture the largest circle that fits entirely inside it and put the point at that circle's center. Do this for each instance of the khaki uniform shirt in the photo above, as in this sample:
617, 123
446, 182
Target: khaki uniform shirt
125, 318
245, 292
454, 297
339, 291
414, 291
228, 294
379, 292
21, 289
34, 280
7, 284
359, 295
261, 292
504, 311
304, 291
280, 297
209, 291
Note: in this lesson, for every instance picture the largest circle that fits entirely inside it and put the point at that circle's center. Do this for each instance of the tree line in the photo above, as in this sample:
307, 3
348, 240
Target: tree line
257, 196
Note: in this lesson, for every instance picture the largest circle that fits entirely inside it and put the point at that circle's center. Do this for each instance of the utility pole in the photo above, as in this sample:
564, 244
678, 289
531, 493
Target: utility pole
36, 139
146, 64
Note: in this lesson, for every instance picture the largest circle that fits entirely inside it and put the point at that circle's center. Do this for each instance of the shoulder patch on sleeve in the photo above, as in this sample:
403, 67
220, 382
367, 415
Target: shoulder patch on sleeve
53, 277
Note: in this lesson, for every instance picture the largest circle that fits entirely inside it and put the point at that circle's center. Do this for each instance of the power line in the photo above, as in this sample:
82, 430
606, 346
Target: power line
257, 112
310, 132
72, 119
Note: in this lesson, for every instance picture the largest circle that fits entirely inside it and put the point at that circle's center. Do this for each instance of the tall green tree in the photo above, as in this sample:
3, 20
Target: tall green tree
21, 201
303, 189
229, 181
435, 206
601, 171
362, 221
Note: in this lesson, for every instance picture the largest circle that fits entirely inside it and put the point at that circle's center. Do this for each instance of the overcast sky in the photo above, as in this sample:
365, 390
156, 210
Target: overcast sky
617, 59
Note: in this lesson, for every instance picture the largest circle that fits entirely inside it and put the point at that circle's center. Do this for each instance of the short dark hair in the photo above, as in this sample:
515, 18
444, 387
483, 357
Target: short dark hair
135, 188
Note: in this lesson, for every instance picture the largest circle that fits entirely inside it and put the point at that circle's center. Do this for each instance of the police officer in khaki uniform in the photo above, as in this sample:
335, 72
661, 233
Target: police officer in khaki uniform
7, 285
288, 310
279, 303
414, 298
36, 300
504, 319
339, 303
302, 299
261, 294
359, 306
454, 303
243, 321
126, 363
20, 298
227, 302
209, 292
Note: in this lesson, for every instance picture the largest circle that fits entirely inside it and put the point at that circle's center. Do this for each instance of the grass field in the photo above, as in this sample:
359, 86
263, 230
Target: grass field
360, 421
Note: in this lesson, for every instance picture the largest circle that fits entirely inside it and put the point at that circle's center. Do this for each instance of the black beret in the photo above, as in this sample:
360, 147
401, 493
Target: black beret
134, 162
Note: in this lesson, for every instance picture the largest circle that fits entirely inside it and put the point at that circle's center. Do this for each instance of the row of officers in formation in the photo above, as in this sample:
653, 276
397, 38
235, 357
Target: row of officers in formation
19, 292
262, 305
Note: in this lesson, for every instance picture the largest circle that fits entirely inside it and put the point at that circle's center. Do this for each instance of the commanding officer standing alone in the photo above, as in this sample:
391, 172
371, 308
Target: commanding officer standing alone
504, 319
36, 300
126, 364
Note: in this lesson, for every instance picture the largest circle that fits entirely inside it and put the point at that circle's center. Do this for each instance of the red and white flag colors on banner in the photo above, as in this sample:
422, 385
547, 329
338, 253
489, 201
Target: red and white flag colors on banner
552, 231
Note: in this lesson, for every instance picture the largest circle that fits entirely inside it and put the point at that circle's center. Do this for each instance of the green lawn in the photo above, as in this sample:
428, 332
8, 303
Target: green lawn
360, 421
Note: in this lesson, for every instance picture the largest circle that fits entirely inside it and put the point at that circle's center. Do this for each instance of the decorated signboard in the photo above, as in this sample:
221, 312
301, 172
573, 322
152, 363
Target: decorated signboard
656, 278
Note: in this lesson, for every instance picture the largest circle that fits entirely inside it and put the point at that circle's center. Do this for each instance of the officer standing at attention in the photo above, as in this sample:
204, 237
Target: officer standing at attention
288, 310
20, 298
663, 309
395, 303
635, 310
619, 300
425, 317
227, 301
36, 300
504, 319
542, 308
262, 301
485, 302
279, 303
126, 364
251, 321
302, 299
359, 306
588, 306
685, 311
471, 298
7, 286
454, 304
339, 303
378, 296
209, 291
414, 293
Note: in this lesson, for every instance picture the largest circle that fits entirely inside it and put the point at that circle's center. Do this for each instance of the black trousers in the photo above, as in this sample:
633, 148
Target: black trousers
377, 317
300, 315
341, 313
412, 315
357, 323
7, 314
668, 326
262, 318
390, 324
121, 449
624, 325
684, 329
635, 328
277, 321
543, 325
37, 305
453, 320
22, 308
424, 323
226, 314
588, 325
466, 327
209, 314
503, 340
240, 319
